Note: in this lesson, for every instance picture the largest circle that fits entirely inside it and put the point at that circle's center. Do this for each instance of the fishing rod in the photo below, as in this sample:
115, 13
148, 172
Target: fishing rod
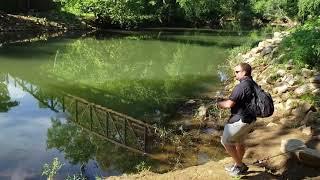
280, 154
198, 99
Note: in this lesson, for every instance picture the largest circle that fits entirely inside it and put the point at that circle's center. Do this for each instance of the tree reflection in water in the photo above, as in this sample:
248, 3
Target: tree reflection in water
79, 147
5, 100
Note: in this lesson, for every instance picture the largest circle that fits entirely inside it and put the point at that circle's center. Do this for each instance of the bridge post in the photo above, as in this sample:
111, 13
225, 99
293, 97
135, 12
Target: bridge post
63, 105
145, 138
107, 123
91, 118
125, 132
76, 110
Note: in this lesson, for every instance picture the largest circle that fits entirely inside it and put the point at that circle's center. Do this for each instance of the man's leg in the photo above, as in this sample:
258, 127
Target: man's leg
232, 151
240, 150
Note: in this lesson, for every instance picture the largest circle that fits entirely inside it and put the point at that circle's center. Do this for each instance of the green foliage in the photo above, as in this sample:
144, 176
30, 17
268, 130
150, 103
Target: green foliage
142, 166
200, 11
303, 45
275, 9
51, 170
126, 13
309, 7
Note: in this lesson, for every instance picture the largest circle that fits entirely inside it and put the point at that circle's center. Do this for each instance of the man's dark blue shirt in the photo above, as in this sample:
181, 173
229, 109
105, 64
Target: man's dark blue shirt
242, 95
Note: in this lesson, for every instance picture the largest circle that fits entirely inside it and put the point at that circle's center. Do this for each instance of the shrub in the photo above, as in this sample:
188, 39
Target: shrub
309, 7
303, 45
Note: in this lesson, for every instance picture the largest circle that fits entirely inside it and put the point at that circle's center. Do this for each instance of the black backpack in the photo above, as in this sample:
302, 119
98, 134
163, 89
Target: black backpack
261, 104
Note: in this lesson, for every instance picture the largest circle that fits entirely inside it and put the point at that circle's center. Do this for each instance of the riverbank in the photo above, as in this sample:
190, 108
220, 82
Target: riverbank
39, 27
294, 91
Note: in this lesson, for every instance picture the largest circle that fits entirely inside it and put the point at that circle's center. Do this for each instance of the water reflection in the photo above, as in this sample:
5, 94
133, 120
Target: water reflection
146, 75
5, 101
74, 133
143, 76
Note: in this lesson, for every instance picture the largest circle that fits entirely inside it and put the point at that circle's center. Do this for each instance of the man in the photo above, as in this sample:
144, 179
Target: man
241, 120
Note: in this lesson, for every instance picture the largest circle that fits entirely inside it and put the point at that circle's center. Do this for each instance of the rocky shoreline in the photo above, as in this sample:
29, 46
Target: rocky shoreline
297, 116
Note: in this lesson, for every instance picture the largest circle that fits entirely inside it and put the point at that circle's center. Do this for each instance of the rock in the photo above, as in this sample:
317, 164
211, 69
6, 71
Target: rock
277, 35
279, 107
291, 145
262, 44
289, 78
287, 120
306, 107
269, 40
277, 99
307, 73
297, 148
283, 87
256, 50
316, 92
285, 96
266, 50
306, 130
309, 157
288, 66
202, 110
277, 41
302, 109
310, 118
272, 124
281, 72
250, 60
191, 101
313, 86
315, 79
247, 56
302, 90
291, 104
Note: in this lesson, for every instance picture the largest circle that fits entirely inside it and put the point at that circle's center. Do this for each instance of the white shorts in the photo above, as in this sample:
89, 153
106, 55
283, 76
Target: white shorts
236, 132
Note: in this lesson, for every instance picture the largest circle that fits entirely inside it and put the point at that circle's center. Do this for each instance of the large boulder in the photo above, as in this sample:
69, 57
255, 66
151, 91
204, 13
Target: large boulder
311, 118
291, 104
289, 78
281, 72
309, 157
266, 50
279, 108
302, 109
277, 35
313, 86
315, 79
281, 88
256, 50
302, 90
307, 73
201, 112
316, 92
291, 145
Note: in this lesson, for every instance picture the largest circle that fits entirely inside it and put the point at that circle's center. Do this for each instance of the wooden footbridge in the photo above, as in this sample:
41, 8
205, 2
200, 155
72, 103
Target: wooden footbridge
115, 127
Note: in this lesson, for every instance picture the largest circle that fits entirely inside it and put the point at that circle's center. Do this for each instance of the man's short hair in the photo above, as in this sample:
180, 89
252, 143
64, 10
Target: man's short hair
246, 67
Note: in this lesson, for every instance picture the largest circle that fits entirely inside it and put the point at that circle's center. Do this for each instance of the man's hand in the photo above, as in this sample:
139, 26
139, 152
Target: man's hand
226, 103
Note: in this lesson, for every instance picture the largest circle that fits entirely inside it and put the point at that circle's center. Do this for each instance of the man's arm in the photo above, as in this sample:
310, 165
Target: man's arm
226, 103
